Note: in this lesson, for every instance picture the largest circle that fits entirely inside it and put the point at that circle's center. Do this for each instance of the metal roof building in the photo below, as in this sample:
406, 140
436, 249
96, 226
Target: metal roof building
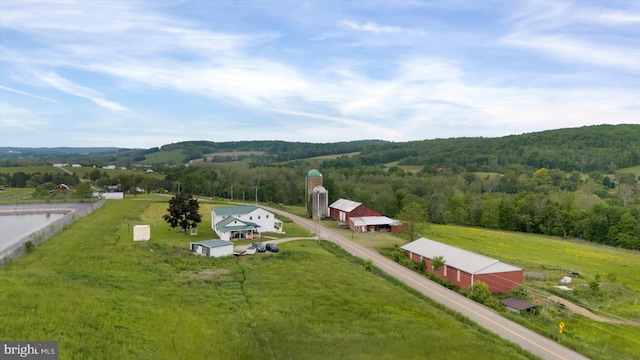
212, 248
463, 267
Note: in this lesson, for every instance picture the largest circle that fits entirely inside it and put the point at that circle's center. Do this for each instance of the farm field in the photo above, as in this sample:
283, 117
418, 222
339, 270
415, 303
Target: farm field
10, 170
164, 157
634, 170
103, 296
617, 296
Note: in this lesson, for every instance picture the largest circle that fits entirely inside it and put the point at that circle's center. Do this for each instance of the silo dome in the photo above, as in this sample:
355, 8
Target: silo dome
314, 173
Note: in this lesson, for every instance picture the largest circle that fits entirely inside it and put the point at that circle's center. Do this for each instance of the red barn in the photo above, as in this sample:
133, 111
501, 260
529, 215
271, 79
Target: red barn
343, 209
463, 268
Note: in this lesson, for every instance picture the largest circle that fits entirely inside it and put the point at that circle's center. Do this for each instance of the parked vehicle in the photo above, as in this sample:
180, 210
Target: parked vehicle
259, 246
250, 250
272, 247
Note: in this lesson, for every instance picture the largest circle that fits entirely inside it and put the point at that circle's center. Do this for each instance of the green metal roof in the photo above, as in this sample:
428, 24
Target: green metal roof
234, 210
246, 225
213, 243
314, 173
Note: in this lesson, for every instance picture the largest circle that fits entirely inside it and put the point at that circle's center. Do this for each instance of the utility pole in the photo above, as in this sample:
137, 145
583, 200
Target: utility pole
231, 192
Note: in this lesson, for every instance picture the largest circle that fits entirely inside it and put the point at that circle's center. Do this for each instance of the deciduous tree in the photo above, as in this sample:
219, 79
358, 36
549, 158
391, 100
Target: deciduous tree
183, 211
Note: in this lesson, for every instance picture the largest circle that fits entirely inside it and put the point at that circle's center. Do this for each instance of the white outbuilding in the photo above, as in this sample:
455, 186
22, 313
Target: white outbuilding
212, 248
141, 233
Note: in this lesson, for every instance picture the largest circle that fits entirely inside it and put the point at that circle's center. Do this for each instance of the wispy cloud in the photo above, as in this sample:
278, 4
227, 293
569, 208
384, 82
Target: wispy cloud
390, 74
554, 29
20, 118
6, 88
372, 27
58, 82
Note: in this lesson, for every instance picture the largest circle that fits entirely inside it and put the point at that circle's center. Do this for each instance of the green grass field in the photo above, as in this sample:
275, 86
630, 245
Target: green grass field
31, 169
617, 296
634, 170
103, 296
164, 157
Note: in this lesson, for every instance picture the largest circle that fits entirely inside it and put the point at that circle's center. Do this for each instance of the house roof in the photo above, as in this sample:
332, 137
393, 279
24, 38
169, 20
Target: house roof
345, 205
213, 243
372, 220
234, 210
517, 303
464, 260
231, 223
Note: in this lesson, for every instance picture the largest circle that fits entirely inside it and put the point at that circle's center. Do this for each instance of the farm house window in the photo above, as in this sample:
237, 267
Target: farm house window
445, 270
458, 276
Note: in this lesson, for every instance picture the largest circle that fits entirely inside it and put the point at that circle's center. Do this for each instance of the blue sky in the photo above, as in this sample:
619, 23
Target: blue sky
140, 74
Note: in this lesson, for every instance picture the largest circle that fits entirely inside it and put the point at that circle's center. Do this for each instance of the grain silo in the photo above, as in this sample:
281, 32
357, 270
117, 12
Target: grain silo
313, 179
319, 203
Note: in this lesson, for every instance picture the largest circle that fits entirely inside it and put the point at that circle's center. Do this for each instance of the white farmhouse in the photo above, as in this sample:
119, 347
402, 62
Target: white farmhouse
243, 222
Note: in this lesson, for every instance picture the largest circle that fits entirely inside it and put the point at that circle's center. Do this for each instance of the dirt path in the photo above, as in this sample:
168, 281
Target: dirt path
586, 313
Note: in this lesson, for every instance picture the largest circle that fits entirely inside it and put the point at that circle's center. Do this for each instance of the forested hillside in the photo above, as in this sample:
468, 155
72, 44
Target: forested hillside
603, 148
572, 182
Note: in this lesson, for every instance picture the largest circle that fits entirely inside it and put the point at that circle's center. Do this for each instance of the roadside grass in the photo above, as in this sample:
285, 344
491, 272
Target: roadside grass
618, 294
103, 296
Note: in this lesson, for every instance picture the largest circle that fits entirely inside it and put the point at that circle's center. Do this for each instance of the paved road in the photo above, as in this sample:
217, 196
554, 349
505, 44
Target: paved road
489, 319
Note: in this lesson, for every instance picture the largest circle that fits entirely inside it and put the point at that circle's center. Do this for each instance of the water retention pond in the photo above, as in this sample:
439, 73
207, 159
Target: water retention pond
21, 223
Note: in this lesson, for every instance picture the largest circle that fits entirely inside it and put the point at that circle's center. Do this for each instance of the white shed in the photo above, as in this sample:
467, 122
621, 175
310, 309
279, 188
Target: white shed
212, 248
141, 233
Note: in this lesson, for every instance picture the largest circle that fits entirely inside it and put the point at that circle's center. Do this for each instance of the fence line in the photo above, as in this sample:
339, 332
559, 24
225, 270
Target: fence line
41, 235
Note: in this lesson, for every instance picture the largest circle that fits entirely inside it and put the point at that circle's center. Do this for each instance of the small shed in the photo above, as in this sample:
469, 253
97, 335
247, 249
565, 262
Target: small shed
212, 248
517, 305
142, 233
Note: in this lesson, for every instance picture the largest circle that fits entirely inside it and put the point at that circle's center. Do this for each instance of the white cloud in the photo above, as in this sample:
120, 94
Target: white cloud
323, 91
372, 27
557, 30
16, 117
6, 88
58, 82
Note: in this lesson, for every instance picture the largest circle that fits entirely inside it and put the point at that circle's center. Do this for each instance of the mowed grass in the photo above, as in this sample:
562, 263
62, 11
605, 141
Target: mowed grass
102, 296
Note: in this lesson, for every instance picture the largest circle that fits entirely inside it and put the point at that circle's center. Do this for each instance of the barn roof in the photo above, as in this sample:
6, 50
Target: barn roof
345, 205
517, 303
234, 210
372, 220
464, 260
213, 243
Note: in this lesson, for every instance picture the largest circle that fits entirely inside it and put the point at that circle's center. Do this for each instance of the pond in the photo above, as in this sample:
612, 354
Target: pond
14, 227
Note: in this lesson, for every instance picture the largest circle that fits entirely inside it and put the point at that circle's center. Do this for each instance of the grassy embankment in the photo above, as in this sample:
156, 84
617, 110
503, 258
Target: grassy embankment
103, 296
618, 294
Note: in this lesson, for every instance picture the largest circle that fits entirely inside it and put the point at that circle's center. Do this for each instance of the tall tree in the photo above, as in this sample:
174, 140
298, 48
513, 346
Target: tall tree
183, 211
412, 215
